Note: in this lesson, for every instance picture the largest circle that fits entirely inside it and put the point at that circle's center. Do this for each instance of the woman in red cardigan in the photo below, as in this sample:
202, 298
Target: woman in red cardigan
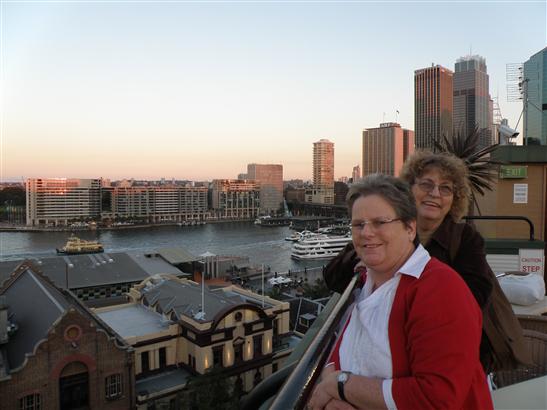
412, 339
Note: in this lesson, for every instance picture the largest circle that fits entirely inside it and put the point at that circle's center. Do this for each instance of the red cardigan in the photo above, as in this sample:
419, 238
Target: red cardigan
434, 334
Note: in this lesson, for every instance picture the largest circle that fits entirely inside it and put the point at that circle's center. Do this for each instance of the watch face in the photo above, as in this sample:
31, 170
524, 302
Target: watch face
343, 377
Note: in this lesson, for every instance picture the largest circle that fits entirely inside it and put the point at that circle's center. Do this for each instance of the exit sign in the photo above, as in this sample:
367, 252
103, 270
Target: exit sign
512, 171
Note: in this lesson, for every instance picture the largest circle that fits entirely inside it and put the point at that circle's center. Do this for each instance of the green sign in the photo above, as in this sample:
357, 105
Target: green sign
513, 171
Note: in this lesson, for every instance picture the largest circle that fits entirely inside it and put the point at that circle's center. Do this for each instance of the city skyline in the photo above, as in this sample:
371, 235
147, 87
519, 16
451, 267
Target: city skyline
198, 90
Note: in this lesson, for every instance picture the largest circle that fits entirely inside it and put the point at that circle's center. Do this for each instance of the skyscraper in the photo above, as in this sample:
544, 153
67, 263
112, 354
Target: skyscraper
535, 104
323, 164
472, 103
323, 173
270, 177
433, 103
386, 148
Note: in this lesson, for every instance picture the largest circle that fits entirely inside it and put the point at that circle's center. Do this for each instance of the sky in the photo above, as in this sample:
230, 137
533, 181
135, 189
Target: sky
198, 90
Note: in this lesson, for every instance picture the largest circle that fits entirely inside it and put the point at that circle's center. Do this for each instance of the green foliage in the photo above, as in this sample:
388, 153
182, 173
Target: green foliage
14, 194
482, 168
317, 290
212, 391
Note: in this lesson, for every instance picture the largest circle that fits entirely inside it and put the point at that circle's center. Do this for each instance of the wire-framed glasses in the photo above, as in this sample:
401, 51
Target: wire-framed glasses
374, 224
428, 186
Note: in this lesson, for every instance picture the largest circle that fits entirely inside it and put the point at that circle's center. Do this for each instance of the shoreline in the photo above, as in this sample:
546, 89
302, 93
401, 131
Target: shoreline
24, 228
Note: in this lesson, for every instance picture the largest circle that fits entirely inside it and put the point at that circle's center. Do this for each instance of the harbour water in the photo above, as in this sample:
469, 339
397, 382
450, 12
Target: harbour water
263, 245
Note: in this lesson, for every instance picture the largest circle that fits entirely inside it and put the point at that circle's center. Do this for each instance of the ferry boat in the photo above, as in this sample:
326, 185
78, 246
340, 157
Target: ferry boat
77, 246
319, 246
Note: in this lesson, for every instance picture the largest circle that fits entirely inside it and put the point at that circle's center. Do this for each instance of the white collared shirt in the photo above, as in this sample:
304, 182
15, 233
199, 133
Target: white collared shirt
365, 348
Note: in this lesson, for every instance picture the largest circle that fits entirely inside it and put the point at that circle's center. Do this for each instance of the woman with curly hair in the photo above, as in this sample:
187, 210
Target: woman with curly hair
440, 185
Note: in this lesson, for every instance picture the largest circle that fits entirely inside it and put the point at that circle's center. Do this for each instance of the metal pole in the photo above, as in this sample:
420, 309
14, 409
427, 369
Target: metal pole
262, 285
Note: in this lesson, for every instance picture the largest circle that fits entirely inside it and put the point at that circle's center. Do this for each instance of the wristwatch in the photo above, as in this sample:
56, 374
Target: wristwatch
342, 379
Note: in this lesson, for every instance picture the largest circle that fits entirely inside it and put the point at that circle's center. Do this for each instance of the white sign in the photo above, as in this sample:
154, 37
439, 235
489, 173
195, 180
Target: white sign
520, 193
531, 261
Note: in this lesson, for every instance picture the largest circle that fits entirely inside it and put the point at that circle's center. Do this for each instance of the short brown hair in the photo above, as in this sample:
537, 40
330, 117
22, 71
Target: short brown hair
450, 167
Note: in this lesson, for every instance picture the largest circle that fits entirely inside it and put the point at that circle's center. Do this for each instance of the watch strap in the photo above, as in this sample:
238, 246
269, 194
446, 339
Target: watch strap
341, 388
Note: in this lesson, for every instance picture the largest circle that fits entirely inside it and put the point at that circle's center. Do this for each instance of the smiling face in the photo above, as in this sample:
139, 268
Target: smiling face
384, 248
433, 206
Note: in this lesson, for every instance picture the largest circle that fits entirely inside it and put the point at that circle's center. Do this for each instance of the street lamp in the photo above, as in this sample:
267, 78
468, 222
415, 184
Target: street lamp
67, 265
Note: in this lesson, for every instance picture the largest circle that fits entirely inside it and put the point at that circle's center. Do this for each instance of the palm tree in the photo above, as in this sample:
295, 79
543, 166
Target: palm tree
482, 168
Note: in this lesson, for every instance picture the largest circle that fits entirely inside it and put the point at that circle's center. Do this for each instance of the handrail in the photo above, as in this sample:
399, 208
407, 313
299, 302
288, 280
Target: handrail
295, 391
516, 218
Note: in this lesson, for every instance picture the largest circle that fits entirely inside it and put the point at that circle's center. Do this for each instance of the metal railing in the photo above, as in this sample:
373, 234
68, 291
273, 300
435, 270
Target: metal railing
504, 218
298, 386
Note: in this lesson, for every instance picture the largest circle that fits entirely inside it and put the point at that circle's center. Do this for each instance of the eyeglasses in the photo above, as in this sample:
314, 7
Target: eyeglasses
428, 186
374, 224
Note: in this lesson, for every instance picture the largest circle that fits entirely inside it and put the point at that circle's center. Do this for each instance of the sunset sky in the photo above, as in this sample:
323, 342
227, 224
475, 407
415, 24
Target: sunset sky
197, 90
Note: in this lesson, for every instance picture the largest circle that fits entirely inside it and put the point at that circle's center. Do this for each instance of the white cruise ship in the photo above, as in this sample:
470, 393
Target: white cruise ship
319, 246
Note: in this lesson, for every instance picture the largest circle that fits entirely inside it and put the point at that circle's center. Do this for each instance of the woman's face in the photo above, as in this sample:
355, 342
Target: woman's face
384, 242
434, 195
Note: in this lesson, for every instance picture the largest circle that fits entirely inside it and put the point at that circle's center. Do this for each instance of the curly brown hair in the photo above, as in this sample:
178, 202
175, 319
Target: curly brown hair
450, 167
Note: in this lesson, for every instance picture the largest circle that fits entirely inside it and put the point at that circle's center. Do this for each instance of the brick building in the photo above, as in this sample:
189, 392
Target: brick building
54, 354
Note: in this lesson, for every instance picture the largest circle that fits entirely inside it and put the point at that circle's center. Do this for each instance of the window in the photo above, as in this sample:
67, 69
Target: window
163, 357
30, 402
238, 316
113, 386
217, 355
145, 363
257, 346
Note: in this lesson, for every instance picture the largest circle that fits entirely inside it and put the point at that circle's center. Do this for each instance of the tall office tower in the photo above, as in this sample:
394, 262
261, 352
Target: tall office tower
386, 148
356, 173
432, 104
323, 164
472, 107
270, 177
57, 201
535, 98
323, 173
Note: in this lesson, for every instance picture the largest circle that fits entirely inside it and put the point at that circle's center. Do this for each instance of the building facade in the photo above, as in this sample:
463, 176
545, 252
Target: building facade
270, 177
235, 199
190, 330
473, 106
433, 104
535, 104
323, 173
59, 356
386, 148
62, 201
58, 201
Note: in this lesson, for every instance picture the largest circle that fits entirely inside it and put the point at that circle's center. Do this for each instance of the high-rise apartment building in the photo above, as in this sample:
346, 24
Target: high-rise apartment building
323, 173
323, 164
386, 148
61, 201
535, 102
270, 177
472, 103
433, 104
235, 199
57, 201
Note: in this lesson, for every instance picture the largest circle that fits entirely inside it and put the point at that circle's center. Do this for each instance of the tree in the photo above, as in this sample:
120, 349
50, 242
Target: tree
211, 391
482, 168
318, 290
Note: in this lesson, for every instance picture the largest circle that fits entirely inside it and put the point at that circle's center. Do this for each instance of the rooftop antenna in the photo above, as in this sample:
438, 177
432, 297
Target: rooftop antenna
396, 115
